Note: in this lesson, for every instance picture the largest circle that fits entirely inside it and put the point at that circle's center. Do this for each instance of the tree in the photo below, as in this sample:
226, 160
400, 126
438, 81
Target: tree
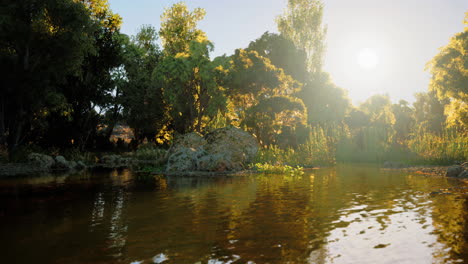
43, 42
326, 103
262, 96
191, 87
449, 71
273, 115
404, 120
179, 28
429, 111
282, 53
302, 23
88, 94
141, 96
253, 78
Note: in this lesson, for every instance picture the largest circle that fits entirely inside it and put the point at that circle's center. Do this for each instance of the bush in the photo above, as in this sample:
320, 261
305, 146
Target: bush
149, 152
278, 169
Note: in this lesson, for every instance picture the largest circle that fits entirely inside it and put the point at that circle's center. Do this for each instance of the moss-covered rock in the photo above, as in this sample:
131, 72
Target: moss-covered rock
224, 149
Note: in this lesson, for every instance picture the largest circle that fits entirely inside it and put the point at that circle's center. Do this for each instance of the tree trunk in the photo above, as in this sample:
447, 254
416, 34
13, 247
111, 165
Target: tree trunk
2, 121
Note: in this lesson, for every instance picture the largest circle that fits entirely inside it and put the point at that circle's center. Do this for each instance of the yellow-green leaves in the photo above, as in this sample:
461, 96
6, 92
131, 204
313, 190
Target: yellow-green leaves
449, 80
302, 23
179, 28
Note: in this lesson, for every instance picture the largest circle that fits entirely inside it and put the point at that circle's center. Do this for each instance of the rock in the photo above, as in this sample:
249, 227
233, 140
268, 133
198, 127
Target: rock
72, 164
115, 161
80, 165
183, 159
62, 164
234, 141
225, 149
463, 174
190, 140
110, 159
454, 171
465, 165
42, 161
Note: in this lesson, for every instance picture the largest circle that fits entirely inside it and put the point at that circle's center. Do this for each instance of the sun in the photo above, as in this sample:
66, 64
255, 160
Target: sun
367, 59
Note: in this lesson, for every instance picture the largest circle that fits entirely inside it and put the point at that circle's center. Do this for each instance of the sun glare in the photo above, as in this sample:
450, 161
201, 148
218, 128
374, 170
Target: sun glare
367, 59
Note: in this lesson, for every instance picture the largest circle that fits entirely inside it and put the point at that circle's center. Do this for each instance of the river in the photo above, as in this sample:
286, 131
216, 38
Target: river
345, 214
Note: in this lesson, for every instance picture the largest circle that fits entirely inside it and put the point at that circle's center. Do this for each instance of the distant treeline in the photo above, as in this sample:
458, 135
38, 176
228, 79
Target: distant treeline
70, 76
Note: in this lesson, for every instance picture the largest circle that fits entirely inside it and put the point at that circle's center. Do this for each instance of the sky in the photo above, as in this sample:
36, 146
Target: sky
401, 36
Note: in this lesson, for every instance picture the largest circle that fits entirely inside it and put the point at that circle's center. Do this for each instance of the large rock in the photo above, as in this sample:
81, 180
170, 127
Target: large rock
190, 140
464, 174
228, 149
225, 149
454, 171
115, 161
183, 159
62, 164
42, 161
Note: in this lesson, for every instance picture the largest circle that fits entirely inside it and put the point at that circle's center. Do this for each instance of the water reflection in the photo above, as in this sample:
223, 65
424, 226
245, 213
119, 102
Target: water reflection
347, 214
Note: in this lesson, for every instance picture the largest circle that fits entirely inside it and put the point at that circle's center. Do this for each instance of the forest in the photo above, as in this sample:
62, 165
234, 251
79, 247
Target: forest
70, 78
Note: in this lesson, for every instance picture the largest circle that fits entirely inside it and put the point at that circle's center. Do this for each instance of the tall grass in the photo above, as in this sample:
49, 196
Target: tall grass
326, 146
448, 147
318, 150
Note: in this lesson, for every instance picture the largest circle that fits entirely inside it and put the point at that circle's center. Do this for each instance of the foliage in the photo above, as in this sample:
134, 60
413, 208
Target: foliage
262, 96
449, 71
42, 42
326, 103
278, 169
302, 23
149, 152
179, 28
140, 96
448, 147
283, 53
318, 149
429, 111
192, 87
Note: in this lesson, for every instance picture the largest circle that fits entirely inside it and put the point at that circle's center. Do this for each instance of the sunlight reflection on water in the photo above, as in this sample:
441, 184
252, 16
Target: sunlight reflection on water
336, 215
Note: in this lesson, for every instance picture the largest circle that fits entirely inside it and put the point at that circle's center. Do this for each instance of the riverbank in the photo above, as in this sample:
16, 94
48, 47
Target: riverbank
454, 171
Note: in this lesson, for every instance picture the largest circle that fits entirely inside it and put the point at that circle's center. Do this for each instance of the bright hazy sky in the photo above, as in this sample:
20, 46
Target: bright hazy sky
398, 36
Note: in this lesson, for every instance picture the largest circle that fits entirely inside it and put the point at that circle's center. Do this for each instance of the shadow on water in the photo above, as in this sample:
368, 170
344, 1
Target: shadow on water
346, 214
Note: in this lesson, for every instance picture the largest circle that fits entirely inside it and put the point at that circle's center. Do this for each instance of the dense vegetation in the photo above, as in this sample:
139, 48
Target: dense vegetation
70, 76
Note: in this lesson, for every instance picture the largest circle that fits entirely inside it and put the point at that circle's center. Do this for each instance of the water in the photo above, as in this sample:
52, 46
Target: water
347, 214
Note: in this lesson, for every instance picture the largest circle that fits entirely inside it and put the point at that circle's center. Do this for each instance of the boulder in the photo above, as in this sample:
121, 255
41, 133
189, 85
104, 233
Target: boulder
80, 165
463, 174
228, 149
110, 159
224, 149
42, 161
190, 140
183, 159
454, 171
62, 164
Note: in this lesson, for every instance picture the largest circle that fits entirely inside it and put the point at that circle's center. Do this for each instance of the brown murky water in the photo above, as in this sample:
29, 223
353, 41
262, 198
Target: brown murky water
347, 214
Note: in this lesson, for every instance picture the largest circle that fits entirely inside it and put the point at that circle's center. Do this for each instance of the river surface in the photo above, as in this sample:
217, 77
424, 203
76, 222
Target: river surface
347, 214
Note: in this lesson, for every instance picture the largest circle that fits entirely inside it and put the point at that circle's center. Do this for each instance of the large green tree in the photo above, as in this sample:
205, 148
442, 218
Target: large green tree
283, 53
449, 80
179, 28
88, 94
191, 79
302, 23
429, 112
263, 96
43, 42
192, 87
140, 95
